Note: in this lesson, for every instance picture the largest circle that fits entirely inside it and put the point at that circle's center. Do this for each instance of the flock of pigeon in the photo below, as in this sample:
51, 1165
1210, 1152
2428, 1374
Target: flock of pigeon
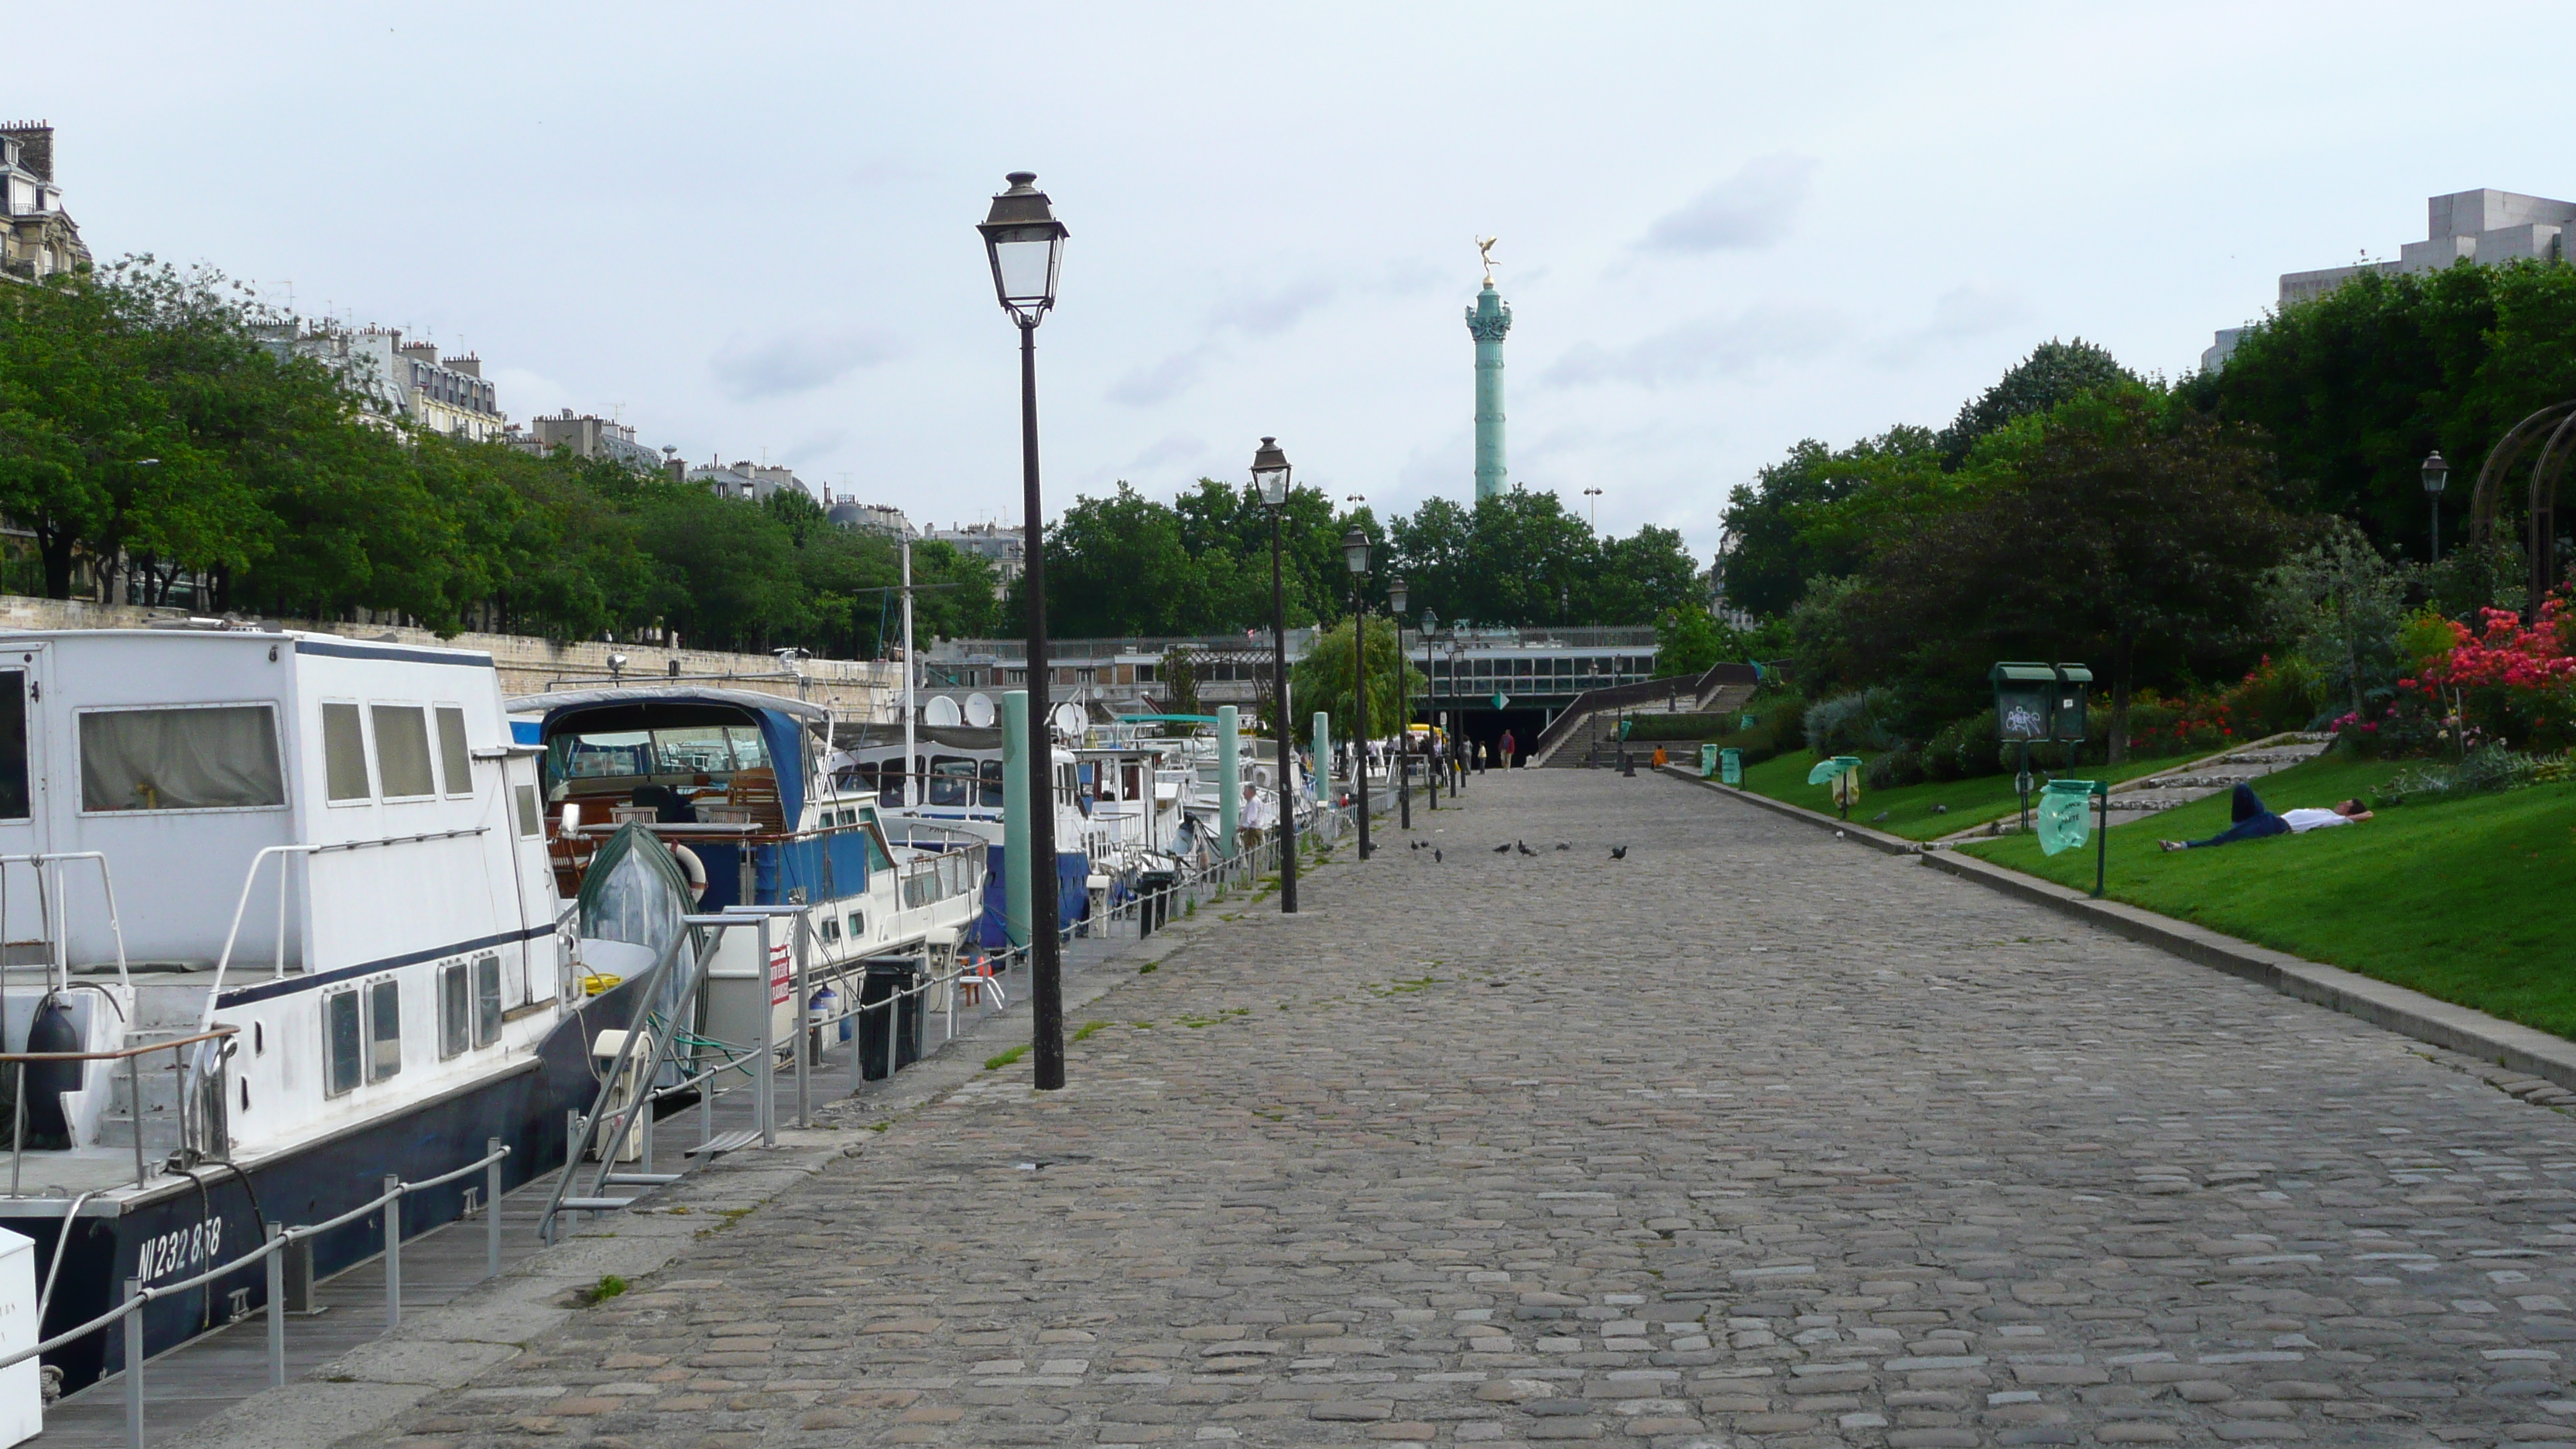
1617, 852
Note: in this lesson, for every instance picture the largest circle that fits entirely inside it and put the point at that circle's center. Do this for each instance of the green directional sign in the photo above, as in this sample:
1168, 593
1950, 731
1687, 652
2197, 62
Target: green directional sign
1501, 699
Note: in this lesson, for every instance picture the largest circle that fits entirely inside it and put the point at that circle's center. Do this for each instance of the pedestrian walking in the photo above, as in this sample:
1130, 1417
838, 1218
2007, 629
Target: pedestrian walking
1511, 755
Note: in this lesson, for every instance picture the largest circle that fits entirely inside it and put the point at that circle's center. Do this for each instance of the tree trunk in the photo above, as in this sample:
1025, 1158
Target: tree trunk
2123, 653
55, 547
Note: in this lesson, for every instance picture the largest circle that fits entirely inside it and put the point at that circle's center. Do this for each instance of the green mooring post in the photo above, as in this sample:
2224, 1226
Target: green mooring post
1323, 753
1229, 778
1017, 798
2102, 848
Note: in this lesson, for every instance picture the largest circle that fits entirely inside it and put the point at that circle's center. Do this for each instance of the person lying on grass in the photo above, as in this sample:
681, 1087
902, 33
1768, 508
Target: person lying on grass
2254, 822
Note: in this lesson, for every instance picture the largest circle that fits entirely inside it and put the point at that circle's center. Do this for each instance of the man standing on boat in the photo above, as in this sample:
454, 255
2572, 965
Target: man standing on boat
1253, 820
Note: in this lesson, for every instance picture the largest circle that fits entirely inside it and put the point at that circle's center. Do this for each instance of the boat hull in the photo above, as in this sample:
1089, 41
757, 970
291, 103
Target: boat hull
180, 1230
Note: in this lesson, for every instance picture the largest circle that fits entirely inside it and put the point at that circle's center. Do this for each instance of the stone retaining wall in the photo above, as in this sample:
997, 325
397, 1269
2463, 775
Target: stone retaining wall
859, 688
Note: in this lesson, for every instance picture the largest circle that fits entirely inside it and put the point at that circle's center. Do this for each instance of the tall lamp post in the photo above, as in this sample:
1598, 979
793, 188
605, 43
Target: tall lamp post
2437, 475
1595, 495
1026, 246
1270, 475
1355, 552
1431, 756
1396, 597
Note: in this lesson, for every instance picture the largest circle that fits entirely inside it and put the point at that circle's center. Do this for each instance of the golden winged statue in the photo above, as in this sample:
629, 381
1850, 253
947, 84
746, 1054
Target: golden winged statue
1485, 249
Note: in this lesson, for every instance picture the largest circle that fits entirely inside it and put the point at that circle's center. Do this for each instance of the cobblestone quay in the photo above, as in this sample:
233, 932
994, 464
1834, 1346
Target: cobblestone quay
1752, 1138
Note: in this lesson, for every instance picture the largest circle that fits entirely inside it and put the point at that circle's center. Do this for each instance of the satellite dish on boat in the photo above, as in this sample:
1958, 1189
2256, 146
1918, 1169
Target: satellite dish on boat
1068, 719
979, 711
941, 712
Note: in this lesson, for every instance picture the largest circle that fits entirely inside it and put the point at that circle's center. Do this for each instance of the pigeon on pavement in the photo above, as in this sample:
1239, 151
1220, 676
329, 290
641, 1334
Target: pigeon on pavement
1561, 845
1435, 855
1503, 849
1524, 847
1618, 852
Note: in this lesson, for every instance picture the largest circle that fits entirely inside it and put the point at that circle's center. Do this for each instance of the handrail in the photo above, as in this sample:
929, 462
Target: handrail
106, 883
223, 963
143, 1295
120, 1053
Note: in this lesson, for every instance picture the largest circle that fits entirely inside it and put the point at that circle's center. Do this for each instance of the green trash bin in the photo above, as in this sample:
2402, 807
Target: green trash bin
1707, 761
1730, 765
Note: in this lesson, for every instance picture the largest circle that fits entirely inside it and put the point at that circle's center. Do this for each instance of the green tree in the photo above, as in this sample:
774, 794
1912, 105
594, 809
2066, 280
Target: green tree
1530, 557
1322, 680
2342, 603
2055, 372
1642, 578
1818, 513
1687, 641
2133, 531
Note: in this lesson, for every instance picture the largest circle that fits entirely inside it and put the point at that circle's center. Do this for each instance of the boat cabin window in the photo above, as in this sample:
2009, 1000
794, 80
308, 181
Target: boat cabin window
344, 753
206, 757
455, 761
858, 925
469, 1005
13, 745
684, 750
384, 1030
952, 780
532, 817
455, 1010
890, 784
487, 1000
991, 776
341, 1042
402, 752
831, 930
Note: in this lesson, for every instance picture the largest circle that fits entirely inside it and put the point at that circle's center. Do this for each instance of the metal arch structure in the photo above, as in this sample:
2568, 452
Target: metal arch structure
2553, 431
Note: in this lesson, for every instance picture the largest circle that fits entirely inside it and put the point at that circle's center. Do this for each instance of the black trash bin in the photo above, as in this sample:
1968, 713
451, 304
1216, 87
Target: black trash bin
884, 980
1154, 906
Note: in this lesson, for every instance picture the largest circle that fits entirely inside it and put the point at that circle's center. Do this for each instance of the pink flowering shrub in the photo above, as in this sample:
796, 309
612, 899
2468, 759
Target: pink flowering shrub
2507, 682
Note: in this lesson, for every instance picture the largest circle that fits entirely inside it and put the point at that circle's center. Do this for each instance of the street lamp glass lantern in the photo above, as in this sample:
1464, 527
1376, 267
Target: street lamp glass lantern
1270, 473
1026, 245
1396, 594
1355, 549
2437, 473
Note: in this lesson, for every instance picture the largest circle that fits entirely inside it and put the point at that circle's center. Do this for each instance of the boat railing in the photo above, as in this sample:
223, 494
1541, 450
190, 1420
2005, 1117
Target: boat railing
55, 904
282, 1239
283, 853
132, 1056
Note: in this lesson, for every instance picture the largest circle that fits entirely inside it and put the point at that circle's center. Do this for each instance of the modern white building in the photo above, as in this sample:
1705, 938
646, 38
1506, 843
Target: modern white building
2486, 226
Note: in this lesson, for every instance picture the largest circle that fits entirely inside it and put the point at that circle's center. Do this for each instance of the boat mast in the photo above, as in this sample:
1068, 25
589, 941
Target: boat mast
911, 790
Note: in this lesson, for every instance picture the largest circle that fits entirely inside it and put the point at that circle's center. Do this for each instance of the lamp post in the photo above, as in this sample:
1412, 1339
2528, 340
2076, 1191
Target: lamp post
2437, 475
1355, 552
1025, 244
1396, 598
1431, 755
1595, 495
1270, 475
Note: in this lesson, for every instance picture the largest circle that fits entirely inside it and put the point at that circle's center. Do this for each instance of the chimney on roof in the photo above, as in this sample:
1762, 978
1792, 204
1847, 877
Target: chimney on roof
35, 146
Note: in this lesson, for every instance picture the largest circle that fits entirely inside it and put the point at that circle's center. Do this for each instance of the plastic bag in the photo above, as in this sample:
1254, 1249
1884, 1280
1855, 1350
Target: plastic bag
2065, 816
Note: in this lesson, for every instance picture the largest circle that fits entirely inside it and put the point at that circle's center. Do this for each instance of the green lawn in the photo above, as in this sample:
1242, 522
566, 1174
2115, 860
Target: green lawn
1909, 807
2465, 900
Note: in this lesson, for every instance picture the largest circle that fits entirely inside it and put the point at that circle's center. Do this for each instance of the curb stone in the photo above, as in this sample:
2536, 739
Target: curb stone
2390, 1007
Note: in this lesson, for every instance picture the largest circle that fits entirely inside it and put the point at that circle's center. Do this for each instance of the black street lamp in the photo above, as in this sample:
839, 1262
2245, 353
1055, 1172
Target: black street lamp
1396, 597
1431, 766
1270, 475
1026, 245
2437, 475
1355, 552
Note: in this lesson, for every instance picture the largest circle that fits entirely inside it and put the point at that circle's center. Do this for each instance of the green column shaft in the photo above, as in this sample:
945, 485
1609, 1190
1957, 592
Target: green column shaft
1323, 756
1229, 776
1016, 799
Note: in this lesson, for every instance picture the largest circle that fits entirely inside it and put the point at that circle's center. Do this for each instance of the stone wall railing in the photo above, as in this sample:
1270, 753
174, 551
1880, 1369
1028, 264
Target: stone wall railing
857, 688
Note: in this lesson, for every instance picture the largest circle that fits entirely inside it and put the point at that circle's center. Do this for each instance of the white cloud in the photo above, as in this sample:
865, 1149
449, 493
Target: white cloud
1753, 208
1162, 381
1751, 341
789, 363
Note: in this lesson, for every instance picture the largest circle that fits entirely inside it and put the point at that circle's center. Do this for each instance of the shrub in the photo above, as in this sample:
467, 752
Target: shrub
1964, 749
1848, 724
1900, 766
1779, 725
2485, 770
2506, 682
2283, 694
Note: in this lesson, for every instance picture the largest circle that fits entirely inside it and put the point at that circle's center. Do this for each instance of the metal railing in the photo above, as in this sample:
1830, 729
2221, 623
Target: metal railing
57, 915
133, 1057
250, 878
280, 1238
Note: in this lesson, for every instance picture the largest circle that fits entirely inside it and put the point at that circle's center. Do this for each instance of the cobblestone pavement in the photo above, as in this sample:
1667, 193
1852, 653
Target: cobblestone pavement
1752, 1138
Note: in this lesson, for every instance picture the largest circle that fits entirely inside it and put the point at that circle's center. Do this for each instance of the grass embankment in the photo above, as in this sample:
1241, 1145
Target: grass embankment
2464, 900
1909, 808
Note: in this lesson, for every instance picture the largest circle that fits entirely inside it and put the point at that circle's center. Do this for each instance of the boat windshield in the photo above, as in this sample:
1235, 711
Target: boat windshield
687, 751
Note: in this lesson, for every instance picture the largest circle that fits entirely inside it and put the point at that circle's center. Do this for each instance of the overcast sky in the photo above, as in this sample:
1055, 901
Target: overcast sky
748, 228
